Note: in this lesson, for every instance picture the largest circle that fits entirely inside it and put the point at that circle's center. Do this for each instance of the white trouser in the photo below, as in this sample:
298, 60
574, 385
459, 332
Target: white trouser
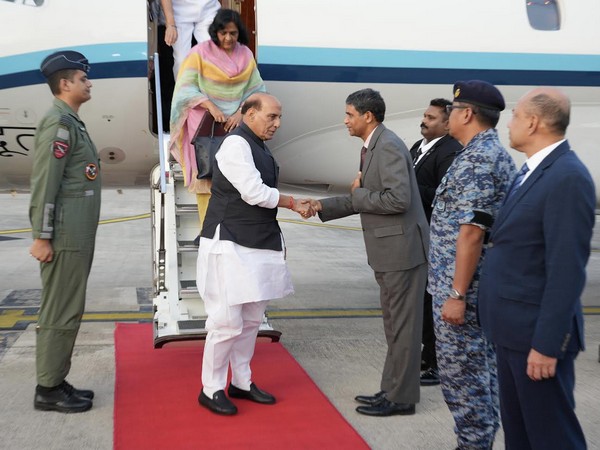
183, 44
231, 339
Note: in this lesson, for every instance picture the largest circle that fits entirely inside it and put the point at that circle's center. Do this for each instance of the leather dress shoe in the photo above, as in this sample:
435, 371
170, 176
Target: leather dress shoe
61, 399
386, 408
430, 377
83, 393
218, 404
370, 399
254, 394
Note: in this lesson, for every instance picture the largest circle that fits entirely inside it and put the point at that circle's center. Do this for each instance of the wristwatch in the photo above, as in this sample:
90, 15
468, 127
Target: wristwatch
455, 294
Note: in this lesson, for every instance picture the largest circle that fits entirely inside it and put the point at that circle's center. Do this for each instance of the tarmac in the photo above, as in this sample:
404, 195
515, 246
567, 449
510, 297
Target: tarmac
332, 326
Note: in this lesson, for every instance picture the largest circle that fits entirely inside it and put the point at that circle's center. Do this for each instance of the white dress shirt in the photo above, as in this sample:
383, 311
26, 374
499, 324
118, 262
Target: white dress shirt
538, 157
425, 147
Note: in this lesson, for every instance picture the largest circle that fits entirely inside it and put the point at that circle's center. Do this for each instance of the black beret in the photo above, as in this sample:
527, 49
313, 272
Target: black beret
480, 93
65, 59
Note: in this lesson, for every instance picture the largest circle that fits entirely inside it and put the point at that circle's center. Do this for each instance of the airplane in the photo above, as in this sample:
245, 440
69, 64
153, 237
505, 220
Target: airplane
311, 54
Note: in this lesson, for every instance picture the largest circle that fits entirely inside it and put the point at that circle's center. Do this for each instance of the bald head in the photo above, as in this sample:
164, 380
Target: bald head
262, 114
256, 101
552, 107
539, 119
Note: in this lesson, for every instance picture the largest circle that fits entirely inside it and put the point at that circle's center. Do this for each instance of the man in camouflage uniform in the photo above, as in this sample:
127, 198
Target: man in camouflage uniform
465, 206
64, 213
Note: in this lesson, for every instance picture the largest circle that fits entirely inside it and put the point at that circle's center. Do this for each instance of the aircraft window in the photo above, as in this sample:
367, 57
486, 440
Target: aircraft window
26, 2
543, 14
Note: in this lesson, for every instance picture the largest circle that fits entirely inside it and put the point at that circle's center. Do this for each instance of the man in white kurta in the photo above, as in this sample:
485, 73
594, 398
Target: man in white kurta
241, 258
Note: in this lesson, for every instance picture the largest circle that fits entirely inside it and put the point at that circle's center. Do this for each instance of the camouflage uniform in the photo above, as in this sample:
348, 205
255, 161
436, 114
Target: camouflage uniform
473, 188
65, 208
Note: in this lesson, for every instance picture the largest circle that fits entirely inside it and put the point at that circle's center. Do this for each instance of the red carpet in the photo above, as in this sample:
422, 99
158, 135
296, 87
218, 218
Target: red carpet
156, 404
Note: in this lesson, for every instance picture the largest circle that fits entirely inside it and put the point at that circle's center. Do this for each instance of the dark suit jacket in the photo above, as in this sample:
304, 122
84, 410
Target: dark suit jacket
534, 269
395, 229
432, 167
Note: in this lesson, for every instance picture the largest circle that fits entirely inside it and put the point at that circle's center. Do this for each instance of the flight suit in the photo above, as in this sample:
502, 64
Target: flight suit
65, 208
471, 192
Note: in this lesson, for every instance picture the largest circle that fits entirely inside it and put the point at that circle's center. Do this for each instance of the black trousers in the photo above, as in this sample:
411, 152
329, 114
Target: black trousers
428, 358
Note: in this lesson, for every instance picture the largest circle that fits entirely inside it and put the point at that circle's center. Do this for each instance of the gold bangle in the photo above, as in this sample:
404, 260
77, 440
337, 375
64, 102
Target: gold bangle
174, 26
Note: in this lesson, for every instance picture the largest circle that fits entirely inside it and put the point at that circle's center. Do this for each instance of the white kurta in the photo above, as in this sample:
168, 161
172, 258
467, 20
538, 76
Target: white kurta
231, 272
235, 281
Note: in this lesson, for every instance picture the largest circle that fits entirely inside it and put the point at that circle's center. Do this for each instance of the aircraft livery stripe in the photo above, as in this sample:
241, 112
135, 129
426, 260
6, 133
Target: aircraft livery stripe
97, 53
338, 57
278, 72
342, 65
345, 57
115, 60
126, 69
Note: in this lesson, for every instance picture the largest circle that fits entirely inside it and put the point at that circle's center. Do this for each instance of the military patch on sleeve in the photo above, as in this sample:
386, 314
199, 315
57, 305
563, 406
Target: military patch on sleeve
60, 146
60, 149
91, 171
62, 134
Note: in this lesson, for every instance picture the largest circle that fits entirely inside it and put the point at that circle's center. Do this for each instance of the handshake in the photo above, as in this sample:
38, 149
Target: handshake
306, 207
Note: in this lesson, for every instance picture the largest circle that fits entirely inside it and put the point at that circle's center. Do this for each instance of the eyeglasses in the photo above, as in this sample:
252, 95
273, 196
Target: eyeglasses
449, 108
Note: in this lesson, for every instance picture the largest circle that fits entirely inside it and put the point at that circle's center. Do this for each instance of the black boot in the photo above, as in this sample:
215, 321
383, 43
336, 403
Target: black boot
59, 398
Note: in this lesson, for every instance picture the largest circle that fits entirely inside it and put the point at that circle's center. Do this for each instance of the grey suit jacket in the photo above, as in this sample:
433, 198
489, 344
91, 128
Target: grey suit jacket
394, 226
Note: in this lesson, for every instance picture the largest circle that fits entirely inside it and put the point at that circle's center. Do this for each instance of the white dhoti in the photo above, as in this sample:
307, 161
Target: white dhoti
236, 283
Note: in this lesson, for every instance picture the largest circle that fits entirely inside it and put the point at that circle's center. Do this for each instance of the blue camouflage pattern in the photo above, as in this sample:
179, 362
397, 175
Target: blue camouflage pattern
471, 192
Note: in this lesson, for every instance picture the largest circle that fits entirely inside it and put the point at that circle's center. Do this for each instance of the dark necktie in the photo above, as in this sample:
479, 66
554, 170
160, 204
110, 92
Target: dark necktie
363, 152
417, 154
516, 184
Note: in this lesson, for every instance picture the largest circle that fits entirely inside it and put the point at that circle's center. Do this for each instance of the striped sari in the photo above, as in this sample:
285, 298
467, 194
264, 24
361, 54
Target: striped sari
208, 73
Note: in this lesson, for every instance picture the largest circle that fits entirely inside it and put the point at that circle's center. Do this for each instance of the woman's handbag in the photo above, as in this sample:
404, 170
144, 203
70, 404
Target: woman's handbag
206, 142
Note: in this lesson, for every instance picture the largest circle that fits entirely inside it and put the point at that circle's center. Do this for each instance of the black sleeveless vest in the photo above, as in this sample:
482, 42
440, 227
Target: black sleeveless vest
244, 224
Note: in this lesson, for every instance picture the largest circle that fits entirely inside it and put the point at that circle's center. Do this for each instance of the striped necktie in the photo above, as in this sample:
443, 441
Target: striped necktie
516, 184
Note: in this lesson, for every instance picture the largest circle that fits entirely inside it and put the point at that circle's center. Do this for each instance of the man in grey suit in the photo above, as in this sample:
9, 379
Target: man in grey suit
396, 233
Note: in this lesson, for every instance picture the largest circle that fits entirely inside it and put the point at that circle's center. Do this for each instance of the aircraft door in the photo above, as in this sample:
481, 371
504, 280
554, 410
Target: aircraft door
246, 8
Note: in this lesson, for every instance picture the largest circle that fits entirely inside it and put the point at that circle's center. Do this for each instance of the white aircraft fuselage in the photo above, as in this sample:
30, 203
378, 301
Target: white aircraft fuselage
311, 54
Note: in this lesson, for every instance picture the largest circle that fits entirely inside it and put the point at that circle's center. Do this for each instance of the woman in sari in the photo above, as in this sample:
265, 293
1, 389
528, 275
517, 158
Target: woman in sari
215, 78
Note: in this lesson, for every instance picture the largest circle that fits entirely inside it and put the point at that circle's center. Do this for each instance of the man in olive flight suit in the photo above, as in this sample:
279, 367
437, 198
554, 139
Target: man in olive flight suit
64, 213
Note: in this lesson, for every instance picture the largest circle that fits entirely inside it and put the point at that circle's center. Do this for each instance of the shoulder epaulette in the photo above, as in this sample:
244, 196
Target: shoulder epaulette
67, 120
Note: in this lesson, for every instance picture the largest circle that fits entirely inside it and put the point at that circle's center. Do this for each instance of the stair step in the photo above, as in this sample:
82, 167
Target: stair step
186, 246
190, 326
188, 288
186, 209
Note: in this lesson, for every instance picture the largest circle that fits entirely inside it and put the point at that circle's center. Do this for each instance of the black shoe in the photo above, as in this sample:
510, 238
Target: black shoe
386, 408
83, 393
430, 377
219, 404
254, 394
370, 399
61, 399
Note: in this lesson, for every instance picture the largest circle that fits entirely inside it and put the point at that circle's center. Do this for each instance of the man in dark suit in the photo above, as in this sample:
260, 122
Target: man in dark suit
432, 156
533, 276
396, 235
